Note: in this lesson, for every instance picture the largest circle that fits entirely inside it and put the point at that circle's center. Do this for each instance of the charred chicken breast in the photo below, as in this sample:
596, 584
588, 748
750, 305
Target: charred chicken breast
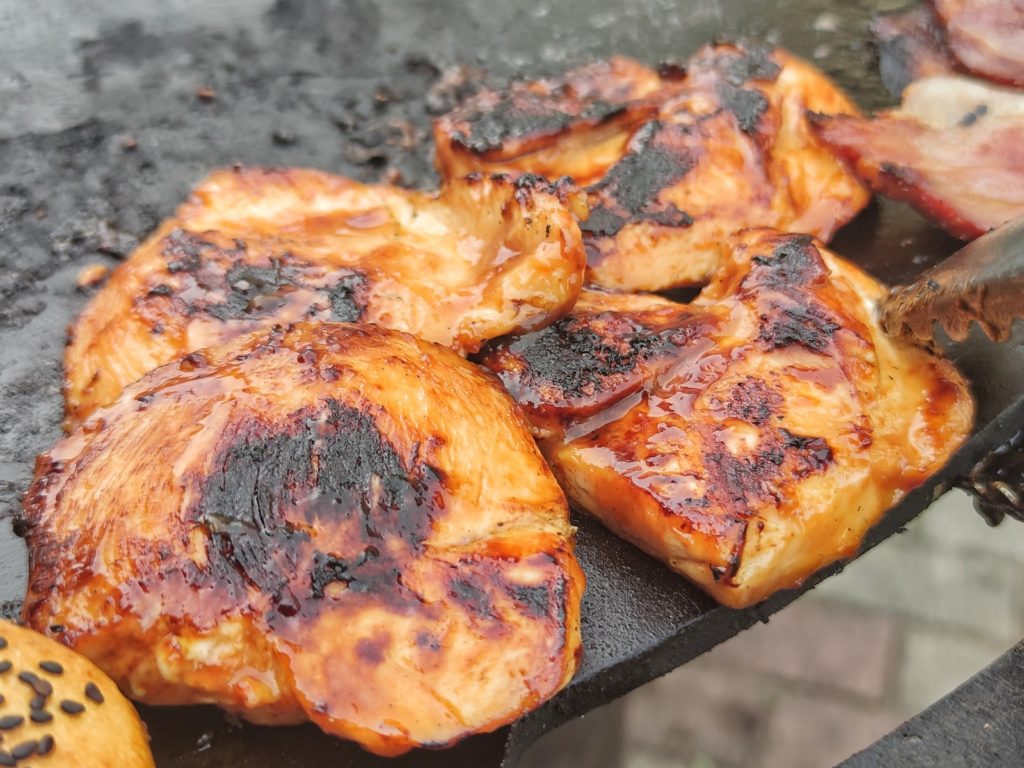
674, 163
253, 248
329, 522
954, 150
746, 439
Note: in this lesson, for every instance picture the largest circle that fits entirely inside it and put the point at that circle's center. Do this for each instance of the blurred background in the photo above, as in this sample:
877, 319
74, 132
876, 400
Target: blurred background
849, 661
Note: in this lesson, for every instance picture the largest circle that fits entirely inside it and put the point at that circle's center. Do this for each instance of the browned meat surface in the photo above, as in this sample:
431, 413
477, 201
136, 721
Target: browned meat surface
681, 161
986, 36
329, 522
911, 45
751, 437
253, 248
954, 150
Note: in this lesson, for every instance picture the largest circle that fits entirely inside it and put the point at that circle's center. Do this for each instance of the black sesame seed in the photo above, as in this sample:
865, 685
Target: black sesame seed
40, 686
2, 699
23, 750
6, 758
72, 707
40, 716
52, 667
93, 692
10, 721
38, 702
3, 642
45, 745
5, 666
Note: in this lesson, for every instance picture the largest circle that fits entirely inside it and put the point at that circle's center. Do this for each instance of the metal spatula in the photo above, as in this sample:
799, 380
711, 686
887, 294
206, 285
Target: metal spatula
983, 281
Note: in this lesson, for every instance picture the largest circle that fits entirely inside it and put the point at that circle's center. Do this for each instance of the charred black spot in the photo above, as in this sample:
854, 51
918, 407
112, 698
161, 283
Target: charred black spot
160, 290
331, 478
428, 641
254, 291
972, 117
746, 104
815, 453
629, 191
534, 599
467, 592
574, 357
751, 61
348, 297
183, 251
753, 401
809, 325
793, 264
521, 114
373, 649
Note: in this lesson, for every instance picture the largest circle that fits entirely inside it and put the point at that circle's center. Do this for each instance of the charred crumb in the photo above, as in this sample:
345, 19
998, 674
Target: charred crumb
349, 297
283, 137
183, 251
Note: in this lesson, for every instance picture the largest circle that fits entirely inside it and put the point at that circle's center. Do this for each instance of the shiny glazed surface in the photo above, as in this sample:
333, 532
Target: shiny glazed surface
254, 247
746, 439
673, 160
330, 522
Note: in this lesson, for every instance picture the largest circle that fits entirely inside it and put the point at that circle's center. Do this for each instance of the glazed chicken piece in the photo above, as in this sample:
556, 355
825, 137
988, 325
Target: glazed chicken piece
718, 147
330, 522
576, 125
954, 150
749, 438
253, 248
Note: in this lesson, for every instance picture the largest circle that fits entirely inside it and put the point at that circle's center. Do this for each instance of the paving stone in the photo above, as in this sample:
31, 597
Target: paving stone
977, 592
699, 712
815, 731
951, 522
815, 643
936, 661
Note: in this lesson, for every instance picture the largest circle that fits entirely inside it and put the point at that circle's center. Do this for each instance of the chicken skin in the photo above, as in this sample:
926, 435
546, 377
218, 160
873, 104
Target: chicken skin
253, 248
672, 162
954, 150
746, 439
327, 521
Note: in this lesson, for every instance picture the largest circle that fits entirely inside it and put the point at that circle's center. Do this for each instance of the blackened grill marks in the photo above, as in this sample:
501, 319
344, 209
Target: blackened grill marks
753, 401
578, 355
328, 500
780, 285
522, 114
659, 155
236, 285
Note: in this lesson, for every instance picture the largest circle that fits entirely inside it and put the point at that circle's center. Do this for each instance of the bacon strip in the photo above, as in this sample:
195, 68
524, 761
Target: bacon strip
986, 36
911, 45
954, 150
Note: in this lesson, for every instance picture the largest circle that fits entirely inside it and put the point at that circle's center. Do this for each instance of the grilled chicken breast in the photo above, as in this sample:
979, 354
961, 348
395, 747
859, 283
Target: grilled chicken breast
253, 248
954, 150
746, 439
672, 162
329, 521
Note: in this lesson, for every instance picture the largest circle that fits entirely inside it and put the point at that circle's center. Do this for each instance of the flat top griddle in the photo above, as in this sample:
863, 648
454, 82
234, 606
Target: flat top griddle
103, 131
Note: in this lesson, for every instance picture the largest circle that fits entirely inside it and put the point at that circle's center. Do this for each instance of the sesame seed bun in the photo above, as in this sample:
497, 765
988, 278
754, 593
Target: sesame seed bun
57, 708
